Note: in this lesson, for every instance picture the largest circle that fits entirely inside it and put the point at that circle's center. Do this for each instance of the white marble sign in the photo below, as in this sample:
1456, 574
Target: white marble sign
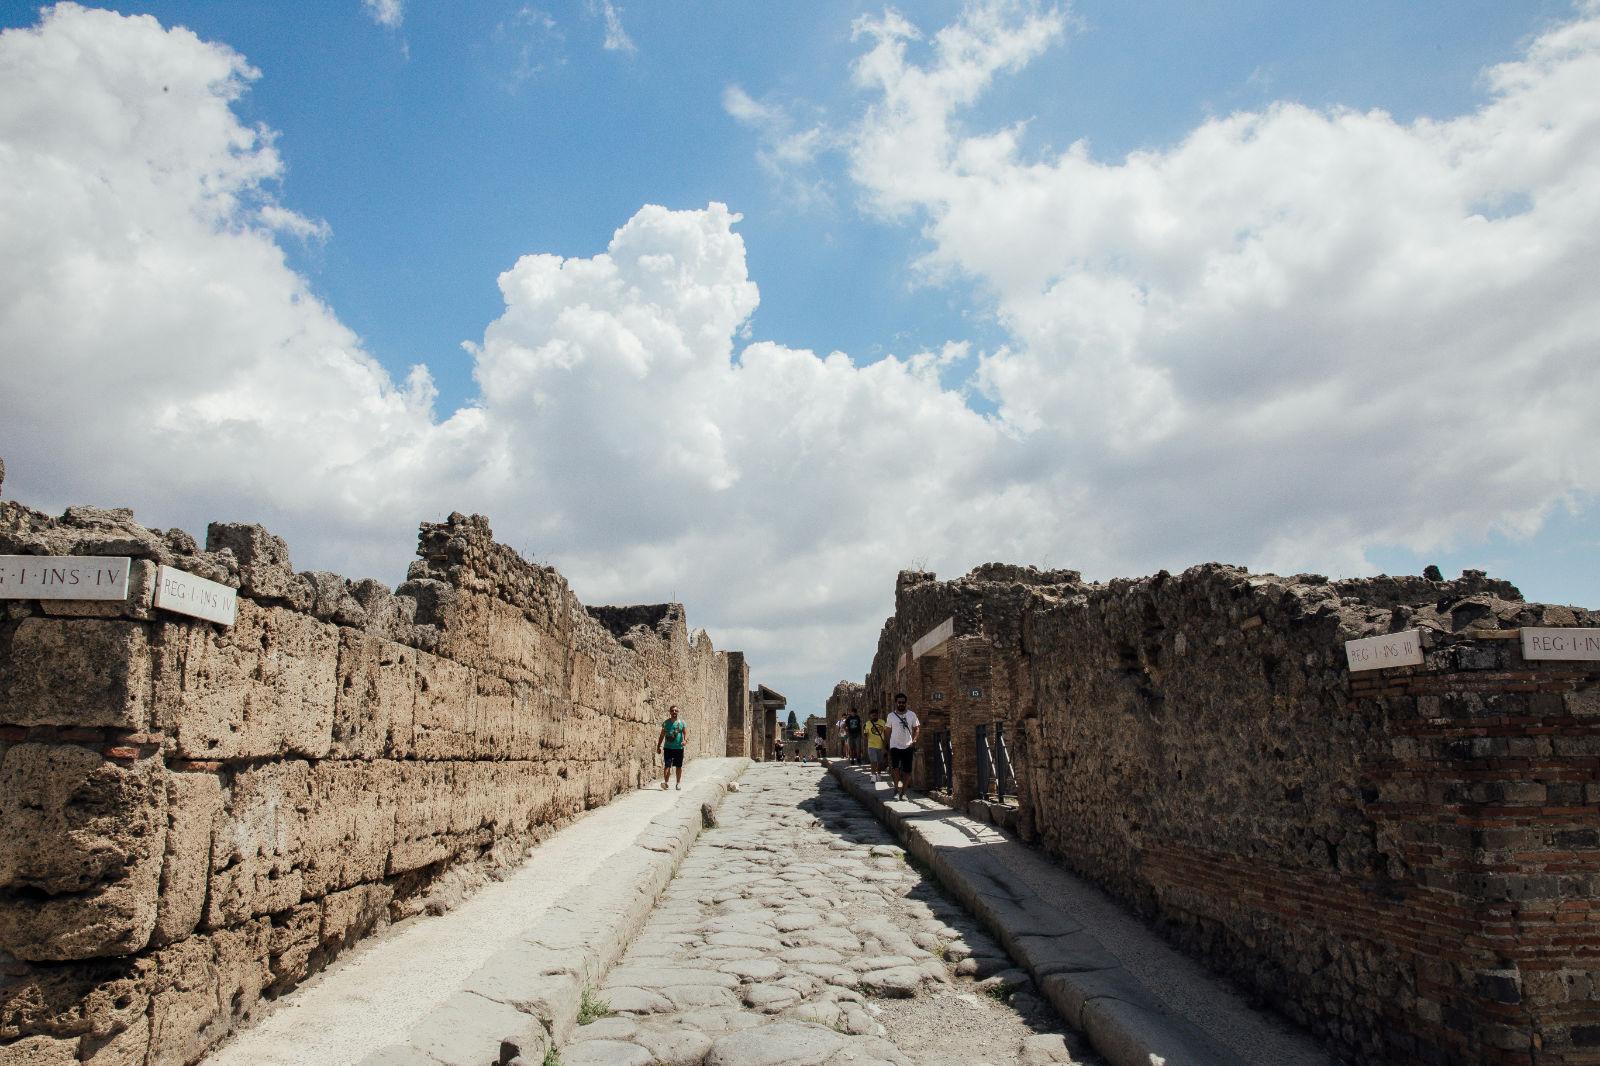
1560, 643
1378, 653
200, 597
63, 577
933, 640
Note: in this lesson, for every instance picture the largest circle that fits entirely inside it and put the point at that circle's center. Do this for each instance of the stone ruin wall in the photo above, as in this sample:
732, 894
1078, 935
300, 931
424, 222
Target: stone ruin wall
847, 696
1405, 861
195, 817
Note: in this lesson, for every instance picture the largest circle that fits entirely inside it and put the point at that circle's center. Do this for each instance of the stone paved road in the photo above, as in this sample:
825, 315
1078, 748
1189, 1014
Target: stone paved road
796, 934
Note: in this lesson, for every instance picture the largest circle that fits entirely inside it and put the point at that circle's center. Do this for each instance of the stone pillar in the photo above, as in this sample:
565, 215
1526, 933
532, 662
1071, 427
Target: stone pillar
741, 739
968, 707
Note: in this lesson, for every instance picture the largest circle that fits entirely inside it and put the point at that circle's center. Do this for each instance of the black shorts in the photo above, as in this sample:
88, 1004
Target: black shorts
900, 758
674, 757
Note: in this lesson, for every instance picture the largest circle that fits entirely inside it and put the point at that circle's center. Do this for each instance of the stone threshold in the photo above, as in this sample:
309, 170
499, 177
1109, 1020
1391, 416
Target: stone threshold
1127, 1021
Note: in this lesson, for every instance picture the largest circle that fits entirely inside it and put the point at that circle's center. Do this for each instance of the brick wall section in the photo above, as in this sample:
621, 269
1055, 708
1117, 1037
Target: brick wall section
194, 817
1407, 862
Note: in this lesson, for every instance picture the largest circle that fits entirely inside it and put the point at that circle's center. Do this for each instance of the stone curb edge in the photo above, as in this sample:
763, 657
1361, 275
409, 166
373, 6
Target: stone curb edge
1124, 1021
525, 998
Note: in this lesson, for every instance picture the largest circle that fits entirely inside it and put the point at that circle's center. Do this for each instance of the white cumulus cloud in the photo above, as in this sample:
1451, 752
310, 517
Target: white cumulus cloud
616, 38
1290, 336
390, 13
169, 355
788, 149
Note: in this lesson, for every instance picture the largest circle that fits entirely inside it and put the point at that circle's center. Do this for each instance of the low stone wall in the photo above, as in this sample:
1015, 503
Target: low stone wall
1406, 861
193, 817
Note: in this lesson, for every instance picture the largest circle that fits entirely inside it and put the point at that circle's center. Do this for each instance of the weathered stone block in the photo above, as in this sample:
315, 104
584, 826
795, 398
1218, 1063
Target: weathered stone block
295, 939
261, 688
97, 998
376, 698
81, 841
256, 849
265, 571
203, 985
349, 828
331, 599
184, 1012
498, 638
442, 722
127, 1048
350, 915
424, 800
72, 672
194, 804
40, 1051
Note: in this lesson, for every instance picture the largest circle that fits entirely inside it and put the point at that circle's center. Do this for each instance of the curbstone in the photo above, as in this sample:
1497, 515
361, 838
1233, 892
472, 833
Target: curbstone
1083, 981
1131, 1034
525, 998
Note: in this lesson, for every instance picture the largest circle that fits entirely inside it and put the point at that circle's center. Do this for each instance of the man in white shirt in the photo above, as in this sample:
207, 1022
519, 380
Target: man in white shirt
904, 727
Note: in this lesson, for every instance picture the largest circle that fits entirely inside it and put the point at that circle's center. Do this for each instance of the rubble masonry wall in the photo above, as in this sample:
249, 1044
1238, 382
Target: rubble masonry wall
195, 817
1405, 861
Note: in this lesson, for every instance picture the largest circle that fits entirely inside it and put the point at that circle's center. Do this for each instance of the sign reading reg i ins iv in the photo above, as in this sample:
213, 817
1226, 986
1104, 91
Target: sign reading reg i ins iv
198, 597
63, 577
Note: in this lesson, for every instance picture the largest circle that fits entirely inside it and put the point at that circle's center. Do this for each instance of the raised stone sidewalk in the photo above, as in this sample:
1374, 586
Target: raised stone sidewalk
1110, 976
496, 977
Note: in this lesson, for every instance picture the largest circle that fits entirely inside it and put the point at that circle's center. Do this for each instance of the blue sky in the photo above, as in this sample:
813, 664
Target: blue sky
426, 155
441, 150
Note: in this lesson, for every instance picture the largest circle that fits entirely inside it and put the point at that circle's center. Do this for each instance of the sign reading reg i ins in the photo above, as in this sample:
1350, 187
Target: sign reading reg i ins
1382, 652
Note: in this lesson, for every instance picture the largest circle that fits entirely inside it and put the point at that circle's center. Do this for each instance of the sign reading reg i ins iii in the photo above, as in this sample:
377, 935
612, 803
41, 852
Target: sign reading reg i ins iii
198, 597
1391, 649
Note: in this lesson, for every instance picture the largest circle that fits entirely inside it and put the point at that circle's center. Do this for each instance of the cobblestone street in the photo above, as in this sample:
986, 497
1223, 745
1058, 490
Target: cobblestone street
797, 933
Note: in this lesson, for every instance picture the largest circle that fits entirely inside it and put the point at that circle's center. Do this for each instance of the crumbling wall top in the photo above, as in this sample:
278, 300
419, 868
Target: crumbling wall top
661, 619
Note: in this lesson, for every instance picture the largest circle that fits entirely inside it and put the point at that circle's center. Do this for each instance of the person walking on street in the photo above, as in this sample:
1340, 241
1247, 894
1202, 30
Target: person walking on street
877, 734
777, 748
904, 727
670, 745
852, 737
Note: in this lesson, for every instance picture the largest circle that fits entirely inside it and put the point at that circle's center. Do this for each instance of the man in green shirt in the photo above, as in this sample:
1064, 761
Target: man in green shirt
671, 741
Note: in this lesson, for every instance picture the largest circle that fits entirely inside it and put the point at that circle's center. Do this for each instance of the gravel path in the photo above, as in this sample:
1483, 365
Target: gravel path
796, 934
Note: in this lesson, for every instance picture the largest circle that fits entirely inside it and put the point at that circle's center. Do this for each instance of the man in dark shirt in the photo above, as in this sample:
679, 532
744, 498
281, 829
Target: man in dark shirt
852, 736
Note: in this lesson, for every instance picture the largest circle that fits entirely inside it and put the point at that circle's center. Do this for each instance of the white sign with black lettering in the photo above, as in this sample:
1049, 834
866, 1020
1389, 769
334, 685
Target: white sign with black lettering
1378, 653
196, 596
1560, 643
63, 577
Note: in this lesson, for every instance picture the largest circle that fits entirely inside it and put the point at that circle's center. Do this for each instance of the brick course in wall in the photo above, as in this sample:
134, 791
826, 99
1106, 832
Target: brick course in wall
194, 817
1406, 861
